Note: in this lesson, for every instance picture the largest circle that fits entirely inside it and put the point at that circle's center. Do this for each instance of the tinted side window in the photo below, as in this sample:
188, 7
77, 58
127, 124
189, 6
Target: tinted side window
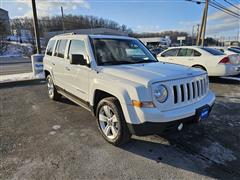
77, 47
185, 52
196, 53
171, 52
60, 49
50, 47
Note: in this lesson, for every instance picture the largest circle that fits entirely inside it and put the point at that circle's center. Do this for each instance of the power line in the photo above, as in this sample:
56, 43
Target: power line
219, 7
223, 10
223, 7
232, 4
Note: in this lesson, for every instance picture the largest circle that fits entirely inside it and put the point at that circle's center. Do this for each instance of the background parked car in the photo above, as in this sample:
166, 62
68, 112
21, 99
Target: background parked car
234, 47
215, 62
228, 50
156, 50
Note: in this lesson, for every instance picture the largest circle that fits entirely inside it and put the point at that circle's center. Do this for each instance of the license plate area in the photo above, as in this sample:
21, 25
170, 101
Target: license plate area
202, 113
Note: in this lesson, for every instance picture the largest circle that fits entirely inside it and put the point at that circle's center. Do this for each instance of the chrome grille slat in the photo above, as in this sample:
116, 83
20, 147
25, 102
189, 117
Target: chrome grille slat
195, 89
189, 91
200, 88
179, 95
185, 90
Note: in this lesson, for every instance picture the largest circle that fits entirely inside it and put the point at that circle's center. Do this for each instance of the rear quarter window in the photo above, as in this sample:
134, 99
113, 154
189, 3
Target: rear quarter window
60, 49
50, 47
196, 53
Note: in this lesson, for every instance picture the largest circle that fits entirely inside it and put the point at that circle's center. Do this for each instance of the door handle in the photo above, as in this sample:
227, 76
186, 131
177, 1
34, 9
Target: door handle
67, 68
53, 63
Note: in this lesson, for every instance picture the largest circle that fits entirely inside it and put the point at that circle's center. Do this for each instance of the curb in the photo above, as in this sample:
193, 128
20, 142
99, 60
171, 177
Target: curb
22, 83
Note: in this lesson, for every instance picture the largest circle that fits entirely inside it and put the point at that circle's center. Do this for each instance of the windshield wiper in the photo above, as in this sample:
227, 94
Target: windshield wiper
117, 62
146, 61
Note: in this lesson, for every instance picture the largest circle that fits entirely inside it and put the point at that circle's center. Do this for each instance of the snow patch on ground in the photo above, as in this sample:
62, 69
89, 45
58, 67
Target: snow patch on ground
20, 77
16, 49
217, 153
56, 127
52, 132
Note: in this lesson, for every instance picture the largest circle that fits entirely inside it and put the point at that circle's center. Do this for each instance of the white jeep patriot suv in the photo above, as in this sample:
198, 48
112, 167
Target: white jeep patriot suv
124, 86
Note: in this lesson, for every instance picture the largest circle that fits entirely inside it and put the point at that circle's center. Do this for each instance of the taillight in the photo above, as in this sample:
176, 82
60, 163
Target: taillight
225, 60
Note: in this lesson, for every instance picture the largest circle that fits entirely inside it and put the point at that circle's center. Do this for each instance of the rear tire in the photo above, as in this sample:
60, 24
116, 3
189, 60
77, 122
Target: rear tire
52, 91
111, 121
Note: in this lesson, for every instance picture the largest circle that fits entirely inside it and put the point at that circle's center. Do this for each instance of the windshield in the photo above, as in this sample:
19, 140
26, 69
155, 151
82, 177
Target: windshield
120, 51
213, 51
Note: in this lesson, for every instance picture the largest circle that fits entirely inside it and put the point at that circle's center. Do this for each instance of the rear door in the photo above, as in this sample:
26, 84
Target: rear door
77, 76
187, 57
59, 63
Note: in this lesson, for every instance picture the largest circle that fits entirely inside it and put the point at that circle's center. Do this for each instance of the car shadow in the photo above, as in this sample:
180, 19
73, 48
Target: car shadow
177, 156
65, 100
220, 80
210, 148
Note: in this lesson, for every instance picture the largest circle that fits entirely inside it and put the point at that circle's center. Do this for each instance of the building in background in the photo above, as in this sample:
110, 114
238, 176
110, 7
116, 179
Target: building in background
4, 23
156, 41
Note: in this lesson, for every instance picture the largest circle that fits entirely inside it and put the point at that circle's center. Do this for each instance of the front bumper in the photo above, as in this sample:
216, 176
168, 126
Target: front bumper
149, 128
135, 115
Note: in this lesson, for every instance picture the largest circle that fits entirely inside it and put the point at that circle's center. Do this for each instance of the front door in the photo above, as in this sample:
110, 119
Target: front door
77, 76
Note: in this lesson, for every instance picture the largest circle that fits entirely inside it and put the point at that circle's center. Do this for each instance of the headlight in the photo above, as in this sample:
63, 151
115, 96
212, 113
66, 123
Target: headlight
160, 93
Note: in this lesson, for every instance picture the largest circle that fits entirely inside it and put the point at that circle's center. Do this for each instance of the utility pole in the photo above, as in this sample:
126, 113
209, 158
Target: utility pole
205, 22
36, 30
197, 32
63, 25
193, 35
203, 25
238, 33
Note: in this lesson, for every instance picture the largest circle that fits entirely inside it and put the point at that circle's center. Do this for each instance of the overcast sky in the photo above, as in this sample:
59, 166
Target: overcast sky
139, 15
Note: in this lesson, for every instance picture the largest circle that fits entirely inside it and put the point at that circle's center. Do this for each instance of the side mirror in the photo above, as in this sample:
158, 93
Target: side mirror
78, 59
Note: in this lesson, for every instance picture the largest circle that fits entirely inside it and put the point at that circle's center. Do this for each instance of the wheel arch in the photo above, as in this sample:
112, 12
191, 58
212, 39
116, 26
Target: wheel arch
46, 72
199, 65
98, 95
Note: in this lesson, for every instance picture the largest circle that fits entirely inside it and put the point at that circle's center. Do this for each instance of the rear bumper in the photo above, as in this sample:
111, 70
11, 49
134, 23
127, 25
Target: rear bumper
224, 70
150, 128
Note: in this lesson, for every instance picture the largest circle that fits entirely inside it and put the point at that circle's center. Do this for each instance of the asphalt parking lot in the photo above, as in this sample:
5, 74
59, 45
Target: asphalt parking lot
43, 139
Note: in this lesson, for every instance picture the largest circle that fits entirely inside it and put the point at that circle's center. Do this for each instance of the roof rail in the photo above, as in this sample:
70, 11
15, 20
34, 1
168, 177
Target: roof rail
64, 34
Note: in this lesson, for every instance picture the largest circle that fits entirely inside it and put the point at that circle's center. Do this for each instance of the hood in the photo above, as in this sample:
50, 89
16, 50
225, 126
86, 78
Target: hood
148, 73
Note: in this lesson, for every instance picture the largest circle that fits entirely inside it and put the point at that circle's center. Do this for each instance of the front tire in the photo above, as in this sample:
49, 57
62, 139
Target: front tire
111, 122
52, 91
